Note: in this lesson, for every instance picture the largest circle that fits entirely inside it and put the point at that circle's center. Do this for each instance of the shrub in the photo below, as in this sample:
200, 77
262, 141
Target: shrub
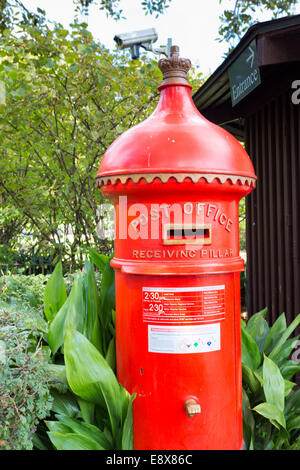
24, 391
89, 412
29, 290
271, 406
26, 289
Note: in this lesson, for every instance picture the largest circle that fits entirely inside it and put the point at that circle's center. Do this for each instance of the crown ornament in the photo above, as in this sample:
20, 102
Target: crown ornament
174, 68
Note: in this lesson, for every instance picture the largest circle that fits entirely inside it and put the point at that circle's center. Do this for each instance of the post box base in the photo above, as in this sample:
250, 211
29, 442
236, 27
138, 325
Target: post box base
179, 337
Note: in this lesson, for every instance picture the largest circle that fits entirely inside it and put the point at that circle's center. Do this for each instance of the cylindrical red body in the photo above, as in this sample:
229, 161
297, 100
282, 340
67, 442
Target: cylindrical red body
176, 181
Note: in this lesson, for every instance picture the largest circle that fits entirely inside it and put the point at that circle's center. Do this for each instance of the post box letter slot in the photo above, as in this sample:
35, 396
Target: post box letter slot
177, 234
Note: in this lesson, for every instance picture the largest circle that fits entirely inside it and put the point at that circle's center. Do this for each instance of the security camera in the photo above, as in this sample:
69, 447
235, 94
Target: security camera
143, 38
136, 38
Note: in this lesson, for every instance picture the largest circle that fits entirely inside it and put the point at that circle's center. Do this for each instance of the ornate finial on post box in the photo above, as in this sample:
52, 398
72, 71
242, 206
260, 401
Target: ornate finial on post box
174, 68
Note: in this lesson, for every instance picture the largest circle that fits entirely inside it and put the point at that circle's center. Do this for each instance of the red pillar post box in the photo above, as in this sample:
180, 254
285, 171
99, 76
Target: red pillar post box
176, 180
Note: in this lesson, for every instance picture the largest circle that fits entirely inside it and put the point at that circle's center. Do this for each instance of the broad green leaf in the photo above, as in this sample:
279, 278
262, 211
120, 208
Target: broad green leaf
87, 410
72, 441
272, 413
71, 313
40, 442
273, 384
76, 309
90, 377
275, 333
295, 445
267, 442
91, 327
285, 336
111, 354
125, 398
85, 429
98, 259
293, 423
250, 352
58, 372
57, 426
56, 328
90, 298
64, 404
281, 440
127, 434
292, 402
248, 421
107, 295
256, 316
288, 369
258, 329
96, 338
55, 293
283, 352
251, 378
288, 387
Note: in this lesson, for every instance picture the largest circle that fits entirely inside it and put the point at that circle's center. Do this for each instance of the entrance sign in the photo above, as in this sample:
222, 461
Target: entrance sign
244, 74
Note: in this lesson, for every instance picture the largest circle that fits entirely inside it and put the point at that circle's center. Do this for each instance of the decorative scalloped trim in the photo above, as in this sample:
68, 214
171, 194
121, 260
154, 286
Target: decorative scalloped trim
179, 177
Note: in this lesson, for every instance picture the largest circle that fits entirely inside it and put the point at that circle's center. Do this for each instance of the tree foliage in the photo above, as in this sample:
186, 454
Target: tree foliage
113, 9
67, 99
14, 11
235, 22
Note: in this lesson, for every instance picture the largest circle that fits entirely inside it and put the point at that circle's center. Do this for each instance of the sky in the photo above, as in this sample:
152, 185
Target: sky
192, 25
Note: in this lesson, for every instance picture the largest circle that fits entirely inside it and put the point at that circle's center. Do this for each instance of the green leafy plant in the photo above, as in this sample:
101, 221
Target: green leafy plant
14, 12
82, 332
271, 407
24, 380
91, 410
244, 13
18, 288
67, 99
55, 293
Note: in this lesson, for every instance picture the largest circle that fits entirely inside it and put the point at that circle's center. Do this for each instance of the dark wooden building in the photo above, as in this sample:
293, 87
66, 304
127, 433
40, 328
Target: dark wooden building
266, 120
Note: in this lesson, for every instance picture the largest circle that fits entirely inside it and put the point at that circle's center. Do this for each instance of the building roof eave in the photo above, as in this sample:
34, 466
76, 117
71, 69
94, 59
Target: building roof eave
216, 89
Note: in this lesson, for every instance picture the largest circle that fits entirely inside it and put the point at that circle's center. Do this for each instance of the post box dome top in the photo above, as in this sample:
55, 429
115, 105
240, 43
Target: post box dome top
176, 140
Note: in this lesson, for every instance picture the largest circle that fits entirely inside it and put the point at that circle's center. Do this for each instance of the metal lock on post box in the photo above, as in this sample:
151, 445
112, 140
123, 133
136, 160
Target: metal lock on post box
176, 180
